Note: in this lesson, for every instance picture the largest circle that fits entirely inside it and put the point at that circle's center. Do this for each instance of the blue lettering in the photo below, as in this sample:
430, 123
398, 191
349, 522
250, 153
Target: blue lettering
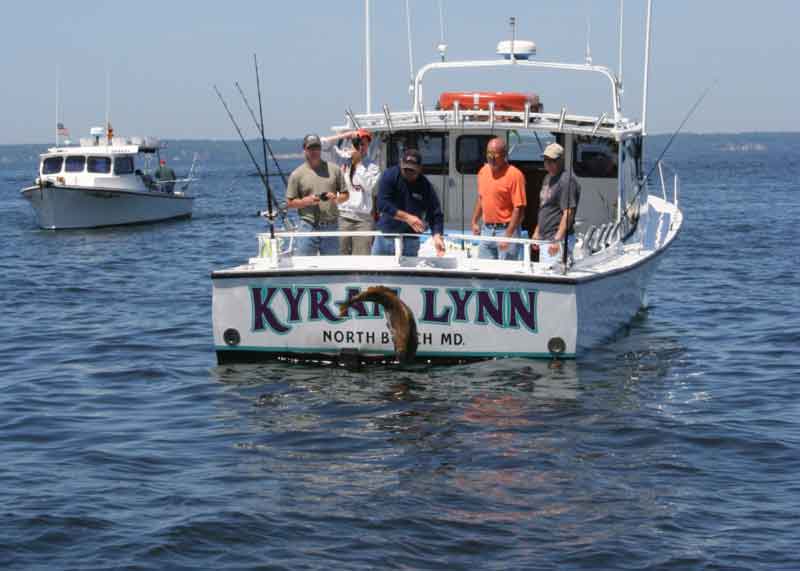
262, 311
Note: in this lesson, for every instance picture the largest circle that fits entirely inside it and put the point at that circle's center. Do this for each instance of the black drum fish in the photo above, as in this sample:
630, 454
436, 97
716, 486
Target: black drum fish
399, 318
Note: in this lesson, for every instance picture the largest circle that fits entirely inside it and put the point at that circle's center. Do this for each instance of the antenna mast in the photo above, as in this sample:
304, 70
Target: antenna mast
410, 51
442, 47
619, 76
368, 63
646, 67
588, 40
58, 80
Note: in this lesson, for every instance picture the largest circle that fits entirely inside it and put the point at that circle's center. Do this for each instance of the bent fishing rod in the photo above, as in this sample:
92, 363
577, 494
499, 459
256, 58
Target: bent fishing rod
255, 162
693, 108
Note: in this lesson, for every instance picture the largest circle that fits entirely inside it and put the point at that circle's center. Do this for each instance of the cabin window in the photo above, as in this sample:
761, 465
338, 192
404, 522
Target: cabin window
471, 153
99, 164
594, 157
123, 165
432, 146
52, 165
75, 164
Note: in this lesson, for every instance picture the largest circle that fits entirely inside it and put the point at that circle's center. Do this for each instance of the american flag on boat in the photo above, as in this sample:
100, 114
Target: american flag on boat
61, 130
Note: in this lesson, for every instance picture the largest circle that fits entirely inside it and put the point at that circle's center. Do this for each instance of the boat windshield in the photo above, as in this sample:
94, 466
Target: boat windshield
432, 146
595, 157
52, 165
123, 165
75, 164
99, 164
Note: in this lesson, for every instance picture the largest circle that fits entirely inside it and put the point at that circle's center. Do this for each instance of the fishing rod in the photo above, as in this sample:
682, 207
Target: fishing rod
261, 131
264, 148
249, 152
672, 138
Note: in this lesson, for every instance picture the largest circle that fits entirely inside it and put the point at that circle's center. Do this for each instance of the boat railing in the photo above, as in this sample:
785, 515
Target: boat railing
176, 185
463, 119
273, 249
663, 181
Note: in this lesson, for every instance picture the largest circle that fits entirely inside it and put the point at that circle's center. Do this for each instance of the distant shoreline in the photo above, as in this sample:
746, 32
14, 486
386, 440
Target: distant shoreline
297, 143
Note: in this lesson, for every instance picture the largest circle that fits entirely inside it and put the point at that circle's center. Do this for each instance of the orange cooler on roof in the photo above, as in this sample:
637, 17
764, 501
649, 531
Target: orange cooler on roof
479, 100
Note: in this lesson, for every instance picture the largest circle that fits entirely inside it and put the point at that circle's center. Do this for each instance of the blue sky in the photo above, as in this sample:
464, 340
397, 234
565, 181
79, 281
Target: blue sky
163, 58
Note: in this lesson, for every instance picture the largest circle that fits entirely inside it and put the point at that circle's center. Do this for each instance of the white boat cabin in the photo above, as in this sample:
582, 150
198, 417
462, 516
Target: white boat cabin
120, 164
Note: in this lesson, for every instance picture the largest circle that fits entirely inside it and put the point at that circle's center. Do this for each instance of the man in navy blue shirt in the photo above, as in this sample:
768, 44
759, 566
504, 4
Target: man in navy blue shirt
406, 198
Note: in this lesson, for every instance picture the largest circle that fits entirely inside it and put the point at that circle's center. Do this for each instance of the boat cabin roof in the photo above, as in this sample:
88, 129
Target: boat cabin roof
531, 118
106, 150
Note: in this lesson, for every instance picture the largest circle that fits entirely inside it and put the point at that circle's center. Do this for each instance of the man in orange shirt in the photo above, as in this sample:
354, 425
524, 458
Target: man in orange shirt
500, 203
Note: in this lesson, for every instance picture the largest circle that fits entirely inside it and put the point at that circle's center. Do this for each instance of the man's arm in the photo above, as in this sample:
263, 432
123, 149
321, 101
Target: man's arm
563, 227
436, 220
477, 212
516, 220
332, 151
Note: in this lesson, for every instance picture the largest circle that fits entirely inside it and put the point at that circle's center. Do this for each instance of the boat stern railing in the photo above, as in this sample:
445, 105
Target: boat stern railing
277, 251
664, 182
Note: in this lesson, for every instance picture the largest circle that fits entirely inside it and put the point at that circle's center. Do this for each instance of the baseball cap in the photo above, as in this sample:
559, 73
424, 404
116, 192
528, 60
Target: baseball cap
311, 140
553, 151
411, 159
364, 134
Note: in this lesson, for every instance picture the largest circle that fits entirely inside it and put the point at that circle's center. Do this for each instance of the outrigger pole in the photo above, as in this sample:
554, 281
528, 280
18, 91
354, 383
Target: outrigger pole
252, 158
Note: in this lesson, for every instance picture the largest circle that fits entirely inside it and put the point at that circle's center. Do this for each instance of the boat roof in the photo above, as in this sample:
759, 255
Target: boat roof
95, 150
118, 146
611, 124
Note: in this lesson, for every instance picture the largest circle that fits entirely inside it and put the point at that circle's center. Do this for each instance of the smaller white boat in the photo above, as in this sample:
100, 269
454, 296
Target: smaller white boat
106, 181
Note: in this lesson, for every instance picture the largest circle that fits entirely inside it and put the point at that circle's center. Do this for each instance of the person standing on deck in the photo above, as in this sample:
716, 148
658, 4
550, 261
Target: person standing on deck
164, 175
361, 176
314, 189
405, 198
558, 201
500, 203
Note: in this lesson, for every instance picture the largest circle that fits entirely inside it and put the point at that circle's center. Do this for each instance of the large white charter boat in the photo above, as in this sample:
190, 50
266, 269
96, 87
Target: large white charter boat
99, 183
282, 305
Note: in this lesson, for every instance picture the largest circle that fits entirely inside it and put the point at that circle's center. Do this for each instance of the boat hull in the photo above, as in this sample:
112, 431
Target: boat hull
457, 318
267, 316
59, 207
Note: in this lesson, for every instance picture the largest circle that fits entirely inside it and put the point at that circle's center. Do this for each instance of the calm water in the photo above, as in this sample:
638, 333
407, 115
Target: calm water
124, 445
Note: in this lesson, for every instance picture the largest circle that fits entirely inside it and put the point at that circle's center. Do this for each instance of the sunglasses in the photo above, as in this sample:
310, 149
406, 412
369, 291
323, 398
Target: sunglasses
490, 155
314, 148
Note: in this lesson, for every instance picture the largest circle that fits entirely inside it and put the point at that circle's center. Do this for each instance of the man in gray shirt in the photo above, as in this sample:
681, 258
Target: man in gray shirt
314, 189
558, 201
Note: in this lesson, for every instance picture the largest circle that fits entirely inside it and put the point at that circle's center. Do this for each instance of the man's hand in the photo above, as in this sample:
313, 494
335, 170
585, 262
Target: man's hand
416, 224
311, 200
476, 228
502, 246
438, 243
553, 248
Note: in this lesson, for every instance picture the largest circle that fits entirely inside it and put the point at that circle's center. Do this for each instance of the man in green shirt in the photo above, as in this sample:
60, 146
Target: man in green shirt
165, 176
314, 189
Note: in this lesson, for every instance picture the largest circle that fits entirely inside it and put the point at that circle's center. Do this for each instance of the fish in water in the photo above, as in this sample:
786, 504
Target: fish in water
402, 324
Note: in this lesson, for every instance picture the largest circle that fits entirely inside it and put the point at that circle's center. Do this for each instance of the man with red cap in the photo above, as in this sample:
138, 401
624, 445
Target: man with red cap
164, 175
